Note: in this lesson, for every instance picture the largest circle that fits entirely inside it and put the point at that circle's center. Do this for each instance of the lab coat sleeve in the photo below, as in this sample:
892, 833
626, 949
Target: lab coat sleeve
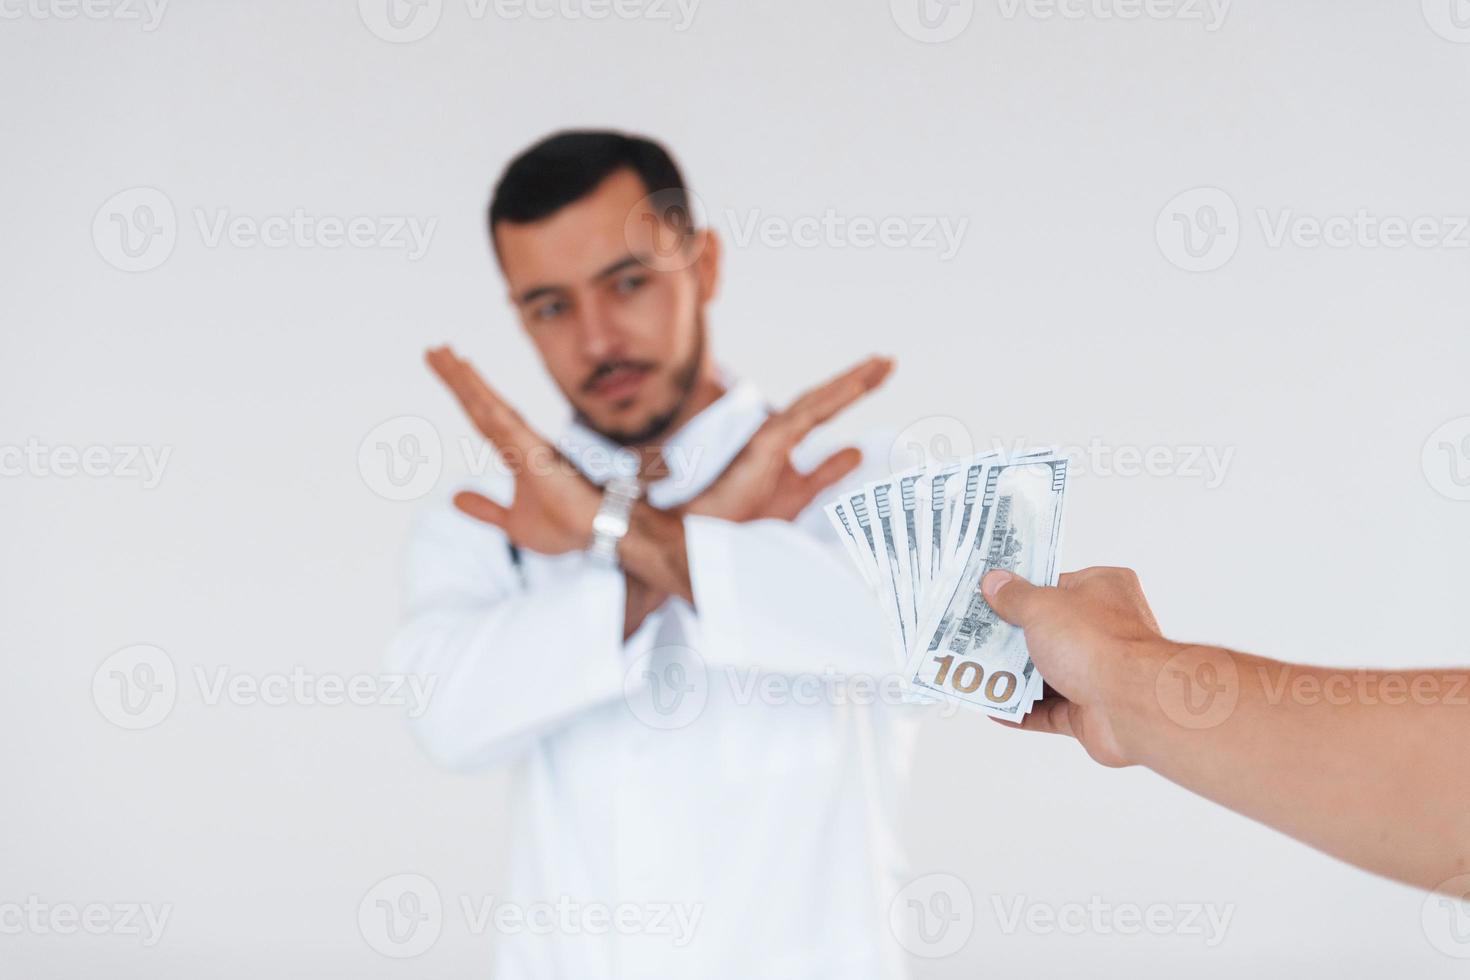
508, 663
782, 597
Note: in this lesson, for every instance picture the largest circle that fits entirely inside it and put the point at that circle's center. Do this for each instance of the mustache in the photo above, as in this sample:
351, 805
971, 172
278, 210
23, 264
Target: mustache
608, 367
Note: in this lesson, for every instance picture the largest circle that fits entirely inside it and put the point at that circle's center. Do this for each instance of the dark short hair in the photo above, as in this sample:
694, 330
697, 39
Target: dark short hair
566, 166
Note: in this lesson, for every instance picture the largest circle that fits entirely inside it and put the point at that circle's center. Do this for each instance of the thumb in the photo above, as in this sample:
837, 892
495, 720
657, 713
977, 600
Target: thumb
1013, 598
833, 469
481, 508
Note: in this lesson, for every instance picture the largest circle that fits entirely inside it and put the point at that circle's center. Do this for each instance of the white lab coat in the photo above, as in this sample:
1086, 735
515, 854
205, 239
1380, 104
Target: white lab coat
711, 767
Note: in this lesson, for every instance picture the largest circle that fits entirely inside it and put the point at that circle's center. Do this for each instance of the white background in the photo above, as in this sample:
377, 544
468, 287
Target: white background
1061, 319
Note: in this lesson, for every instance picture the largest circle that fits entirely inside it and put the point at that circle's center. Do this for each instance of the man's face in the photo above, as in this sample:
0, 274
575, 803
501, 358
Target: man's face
614, 301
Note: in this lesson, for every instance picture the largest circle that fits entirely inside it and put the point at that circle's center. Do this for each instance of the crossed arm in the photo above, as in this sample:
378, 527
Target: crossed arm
1368, 766
554, 504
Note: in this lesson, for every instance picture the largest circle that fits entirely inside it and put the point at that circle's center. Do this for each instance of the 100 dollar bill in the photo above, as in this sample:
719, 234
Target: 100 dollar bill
964, 652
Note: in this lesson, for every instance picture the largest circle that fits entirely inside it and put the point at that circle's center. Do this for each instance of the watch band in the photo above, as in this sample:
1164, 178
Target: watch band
610, 525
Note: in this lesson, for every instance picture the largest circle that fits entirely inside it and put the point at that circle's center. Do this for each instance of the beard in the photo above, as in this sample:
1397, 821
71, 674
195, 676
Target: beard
685, 376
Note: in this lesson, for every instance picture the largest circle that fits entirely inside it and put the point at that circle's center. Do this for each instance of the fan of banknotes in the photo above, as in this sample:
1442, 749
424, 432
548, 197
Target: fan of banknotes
924, 538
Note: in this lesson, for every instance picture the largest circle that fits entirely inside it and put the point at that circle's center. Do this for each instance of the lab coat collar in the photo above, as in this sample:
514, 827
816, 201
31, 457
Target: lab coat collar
695, 454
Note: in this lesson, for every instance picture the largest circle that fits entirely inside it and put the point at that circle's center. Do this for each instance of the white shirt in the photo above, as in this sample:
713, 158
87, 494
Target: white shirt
710, 781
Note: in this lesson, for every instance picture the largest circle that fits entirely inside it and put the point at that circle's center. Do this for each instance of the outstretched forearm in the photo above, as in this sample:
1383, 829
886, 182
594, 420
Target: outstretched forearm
1368, 766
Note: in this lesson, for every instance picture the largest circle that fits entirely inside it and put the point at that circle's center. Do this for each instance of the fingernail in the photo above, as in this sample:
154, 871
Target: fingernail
994, 581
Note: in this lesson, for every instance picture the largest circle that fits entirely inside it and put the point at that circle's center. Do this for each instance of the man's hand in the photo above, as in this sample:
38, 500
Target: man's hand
761, 482
1089, 637
554, 503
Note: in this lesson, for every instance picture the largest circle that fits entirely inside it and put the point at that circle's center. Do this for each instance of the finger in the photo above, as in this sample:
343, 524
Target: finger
825, 401
1051, 717
832, 469
1013, 598
491, 414
481, 508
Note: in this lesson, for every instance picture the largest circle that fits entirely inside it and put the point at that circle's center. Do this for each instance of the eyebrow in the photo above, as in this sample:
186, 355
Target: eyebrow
537, 292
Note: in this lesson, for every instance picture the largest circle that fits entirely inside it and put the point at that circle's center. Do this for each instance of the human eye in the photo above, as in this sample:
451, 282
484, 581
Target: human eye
629, 282
548, 310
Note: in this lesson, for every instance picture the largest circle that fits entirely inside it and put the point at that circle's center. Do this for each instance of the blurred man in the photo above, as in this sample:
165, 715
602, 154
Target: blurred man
649, 617
1368, 766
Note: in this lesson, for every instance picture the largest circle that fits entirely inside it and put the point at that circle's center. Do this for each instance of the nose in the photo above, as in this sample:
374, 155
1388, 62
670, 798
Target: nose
601, 339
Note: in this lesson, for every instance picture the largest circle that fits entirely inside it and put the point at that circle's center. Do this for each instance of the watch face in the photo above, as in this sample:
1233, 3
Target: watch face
609, 524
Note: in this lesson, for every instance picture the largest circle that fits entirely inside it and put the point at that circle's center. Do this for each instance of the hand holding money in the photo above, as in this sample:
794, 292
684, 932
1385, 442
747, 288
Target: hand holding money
1098, 642
923, 540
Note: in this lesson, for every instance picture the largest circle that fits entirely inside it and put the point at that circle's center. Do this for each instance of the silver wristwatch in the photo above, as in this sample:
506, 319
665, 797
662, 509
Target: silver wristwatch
611, 523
